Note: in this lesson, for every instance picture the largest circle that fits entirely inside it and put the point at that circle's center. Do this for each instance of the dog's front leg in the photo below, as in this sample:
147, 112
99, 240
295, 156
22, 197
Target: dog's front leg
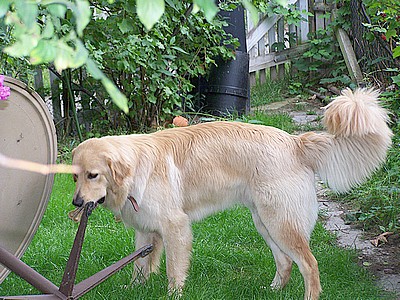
177, 237
151, 263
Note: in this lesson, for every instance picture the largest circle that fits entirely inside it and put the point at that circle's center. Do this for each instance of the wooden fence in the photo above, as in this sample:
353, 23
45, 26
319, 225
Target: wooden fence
273, 43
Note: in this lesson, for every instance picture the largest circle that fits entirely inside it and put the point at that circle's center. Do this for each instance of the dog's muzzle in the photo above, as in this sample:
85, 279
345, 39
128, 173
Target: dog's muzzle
79, 202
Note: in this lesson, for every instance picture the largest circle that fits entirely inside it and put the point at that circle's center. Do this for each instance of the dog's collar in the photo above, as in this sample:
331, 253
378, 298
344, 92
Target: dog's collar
134, 203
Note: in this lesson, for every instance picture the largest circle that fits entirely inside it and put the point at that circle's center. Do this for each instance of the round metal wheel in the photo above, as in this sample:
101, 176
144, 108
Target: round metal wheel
26, 132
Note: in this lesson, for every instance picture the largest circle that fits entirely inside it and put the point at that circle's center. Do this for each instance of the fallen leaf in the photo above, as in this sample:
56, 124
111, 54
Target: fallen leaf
381, 239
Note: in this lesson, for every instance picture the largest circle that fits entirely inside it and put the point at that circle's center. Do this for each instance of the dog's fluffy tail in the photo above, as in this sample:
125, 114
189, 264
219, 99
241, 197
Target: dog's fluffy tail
356, 143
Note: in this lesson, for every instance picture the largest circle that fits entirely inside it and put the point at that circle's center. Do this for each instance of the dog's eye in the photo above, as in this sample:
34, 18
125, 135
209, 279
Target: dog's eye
75, 177
92, 175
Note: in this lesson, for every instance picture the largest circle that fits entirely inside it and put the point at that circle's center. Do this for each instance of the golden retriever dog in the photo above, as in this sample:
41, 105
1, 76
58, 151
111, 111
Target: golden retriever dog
160, 183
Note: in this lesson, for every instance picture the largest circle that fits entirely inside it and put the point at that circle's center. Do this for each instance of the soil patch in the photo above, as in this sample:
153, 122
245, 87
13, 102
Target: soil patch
383, 260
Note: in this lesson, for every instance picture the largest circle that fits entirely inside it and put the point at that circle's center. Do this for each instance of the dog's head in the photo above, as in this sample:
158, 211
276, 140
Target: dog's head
102, 172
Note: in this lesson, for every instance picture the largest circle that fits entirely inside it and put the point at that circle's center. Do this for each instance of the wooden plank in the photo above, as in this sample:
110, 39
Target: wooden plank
265, 24
272, 59
281, 39
253, 51
262, 76
260, 30
253, 80
349, 56
271, 40
318, 14
38, 80
55, 97
303, 28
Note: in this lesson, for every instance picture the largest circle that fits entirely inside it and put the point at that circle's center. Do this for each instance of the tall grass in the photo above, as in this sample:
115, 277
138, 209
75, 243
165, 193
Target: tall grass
268, 92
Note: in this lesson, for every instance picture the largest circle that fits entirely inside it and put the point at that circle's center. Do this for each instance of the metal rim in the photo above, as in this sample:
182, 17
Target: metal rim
42, 112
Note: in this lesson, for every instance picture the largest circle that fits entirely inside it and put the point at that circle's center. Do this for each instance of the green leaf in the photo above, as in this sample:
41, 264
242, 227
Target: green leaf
149, 11
396, 52
94, 70
179, 49
27, 11
166, 72
196, 9
57, 10
396, 79
83, 15
44, 52
368, 25
48, 30
125, 26
80, 56
252, 10
391, 33
209, 8
392, 70
117, 97
283, 3
63, 58
23, 46
4, 6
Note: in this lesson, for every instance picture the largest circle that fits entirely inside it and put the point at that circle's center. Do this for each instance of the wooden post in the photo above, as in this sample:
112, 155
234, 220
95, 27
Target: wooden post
38, 79
303, 28
271, 41
55, 97
281, 39
349, 56
261, 52
252, 50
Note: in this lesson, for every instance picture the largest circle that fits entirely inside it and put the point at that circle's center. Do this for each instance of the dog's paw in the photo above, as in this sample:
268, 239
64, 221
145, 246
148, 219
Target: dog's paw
276, 284
175, 292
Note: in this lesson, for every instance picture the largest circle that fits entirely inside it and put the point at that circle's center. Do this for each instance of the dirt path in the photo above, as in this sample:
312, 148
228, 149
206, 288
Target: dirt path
382, 261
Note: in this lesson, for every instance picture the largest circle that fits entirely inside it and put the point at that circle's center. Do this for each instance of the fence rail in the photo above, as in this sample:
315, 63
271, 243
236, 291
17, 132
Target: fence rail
273, 43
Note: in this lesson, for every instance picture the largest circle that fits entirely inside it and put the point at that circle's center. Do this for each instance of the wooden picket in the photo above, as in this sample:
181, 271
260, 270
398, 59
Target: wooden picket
265, 61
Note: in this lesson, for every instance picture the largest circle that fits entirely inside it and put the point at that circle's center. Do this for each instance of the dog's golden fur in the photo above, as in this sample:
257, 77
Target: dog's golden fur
181, 175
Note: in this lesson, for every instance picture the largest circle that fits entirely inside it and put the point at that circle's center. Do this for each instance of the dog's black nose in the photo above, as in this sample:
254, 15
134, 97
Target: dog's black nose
78, 201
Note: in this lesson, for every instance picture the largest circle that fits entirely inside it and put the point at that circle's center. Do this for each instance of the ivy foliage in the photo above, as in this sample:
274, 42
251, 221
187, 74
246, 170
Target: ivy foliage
385, 25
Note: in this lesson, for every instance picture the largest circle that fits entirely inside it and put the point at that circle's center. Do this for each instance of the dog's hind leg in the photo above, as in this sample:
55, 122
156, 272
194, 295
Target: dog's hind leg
282, 261
297, 247
291, 236
177, 237
151, 263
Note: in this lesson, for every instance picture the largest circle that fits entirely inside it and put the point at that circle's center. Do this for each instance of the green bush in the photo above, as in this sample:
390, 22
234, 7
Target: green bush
154, 68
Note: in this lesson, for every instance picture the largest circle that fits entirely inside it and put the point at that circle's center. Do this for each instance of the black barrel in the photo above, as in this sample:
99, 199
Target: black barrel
226, 91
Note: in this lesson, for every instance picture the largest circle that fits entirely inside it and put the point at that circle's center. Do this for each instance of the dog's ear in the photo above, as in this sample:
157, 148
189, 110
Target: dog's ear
119, 170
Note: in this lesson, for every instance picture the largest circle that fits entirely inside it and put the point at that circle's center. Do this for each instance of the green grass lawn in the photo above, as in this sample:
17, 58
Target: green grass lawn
230, 260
